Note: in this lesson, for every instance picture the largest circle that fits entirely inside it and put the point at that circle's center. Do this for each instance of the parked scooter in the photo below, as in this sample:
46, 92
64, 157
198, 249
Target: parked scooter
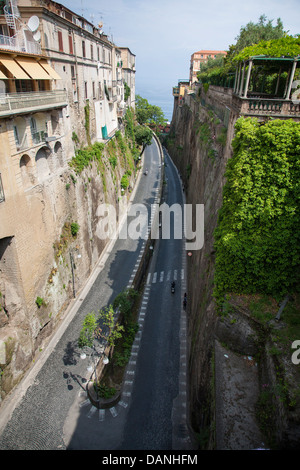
146, 171
173, 287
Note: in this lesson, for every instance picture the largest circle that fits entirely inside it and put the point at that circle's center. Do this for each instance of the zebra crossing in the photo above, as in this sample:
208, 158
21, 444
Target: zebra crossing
166, 276
102, 413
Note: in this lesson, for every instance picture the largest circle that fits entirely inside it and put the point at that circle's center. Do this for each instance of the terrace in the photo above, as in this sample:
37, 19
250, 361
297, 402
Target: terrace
265, 86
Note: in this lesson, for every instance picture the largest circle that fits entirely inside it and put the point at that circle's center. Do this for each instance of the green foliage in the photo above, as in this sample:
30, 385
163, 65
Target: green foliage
124, 182
74, 228
102, 326
271, 39
126, 91
253, 33
143, 135
257, 239
147, 113
39, 302
87, 121
105, 391
288, 46
75, 138
87, 333
85, 156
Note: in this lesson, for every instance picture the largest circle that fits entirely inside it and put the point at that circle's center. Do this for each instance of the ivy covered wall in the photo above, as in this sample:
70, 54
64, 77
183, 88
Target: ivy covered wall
257, 239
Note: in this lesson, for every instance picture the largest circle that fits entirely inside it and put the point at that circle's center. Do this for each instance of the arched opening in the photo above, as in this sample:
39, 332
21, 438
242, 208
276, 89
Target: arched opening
26, 168
42, 163
20, 133
58, 155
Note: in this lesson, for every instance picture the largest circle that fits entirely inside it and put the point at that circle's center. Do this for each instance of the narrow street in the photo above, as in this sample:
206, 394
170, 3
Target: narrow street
54, 412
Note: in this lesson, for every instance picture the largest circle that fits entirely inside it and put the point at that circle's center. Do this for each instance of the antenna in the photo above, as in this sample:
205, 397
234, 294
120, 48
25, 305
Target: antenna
37, 36
33, 23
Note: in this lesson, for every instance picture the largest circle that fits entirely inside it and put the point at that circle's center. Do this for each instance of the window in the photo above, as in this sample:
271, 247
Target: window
60, 42
83, 49
2, 197
92, 52
85, 90
93, 86
71, 45
73, 72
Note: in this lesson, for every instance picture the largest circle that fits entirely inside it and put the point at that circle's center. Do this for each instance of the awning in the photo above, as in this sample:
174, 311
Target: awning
50, 70
13, 67
33, 68
2, 76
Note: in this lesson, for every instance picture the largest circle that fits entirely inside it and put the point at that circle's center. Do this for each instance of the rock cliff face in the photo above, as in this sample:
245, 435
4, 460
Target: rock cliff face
200, 150
199, 143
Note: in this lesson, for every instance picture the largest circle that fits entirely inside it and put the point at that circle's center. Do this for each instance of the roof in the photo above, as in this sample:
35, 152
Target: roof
210, 52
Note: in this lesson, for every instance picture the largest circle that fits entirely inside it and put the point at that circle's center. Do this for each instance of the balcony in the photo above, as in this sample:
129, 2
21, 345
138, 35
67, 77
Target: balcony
263, 107
21, 103
12, 43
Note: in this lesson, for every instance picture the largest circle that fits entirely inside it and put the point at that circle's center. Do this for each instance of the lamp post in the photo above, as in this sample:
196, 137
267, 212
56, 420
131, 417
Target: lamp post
93, 365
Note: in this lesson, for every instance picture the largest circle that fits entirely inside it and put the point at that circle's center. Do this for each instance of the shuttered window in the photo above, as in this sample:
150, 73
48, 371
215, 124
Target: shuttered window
60, 42
70, 45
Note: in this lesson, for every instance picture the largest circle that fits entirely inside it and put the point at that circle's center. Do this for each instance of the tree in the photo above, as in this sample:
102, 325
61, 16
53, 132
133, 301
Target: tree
143, 135
253, 33
91, 328
147, 113
263, 32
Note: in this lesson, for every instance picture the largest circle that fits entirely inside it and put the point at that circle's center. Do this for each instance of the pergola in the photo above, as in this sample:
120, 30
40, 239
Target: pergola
272, 65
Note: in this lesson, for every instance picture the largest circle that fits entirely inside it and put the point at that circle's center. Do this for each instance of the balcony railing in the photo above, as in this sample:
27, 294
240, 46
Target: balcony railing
280, 108
15, 103
13, 43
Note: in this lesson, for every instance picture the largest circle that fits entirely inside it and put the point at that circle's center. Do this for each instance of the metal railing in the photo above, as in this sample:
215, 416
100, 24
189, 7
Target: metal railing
12, 103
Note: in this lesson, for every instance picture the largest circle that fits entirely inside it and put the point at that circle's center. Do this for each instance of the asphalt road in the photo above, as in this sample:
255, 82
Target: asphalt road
54, 412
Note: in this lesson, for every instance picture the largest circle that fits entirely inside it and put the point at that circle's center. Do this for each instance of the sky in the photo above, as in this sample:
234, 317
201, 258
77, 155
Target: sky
163, 34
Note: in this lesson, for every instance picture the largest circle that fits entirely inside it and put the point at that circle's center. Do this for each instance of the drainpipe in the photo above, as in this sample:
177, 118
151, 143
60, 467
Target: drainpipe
76, 65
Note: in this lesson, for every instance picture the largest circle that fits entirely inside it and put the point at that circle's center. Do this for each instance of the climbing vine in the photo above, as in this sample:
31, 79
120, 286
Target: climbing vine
257, 239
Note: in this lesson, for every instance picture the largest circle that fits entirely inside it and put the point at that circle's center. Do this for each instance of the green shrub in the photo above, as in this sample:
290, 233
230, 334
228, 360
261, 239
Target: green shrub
257, 239
74, 228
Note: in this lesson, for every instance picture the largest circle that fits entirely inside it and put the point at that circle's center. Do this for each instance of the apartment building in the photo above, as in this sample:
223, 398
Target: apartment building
201, 57
128, 73
61, 80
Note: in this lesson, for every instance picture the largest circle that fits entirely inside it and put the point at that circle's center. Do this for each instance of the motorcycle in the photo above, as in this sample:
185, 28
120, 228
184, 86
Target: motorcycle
146, 172
173, 287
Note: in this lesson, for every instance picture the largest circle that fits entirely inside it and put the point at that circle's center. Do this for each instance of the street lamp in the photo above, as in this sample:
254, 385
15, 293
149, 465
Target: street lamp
93, 365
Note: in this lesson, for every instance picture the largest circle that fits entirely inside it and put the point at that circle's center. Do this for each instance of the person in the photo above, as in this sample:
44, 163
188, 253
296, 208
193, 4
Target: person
184, 300
173, 285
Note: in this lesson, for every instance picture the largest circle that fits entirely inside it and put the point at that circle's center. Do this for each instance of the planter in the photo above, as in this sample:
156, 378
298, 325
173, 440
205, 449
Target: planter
102, 403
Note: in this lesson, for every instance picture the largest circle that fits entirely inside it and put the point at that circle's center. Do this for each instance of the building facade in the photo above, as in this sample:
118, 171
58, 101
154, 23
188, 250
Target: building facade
199, 58
61, 85
128, 73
